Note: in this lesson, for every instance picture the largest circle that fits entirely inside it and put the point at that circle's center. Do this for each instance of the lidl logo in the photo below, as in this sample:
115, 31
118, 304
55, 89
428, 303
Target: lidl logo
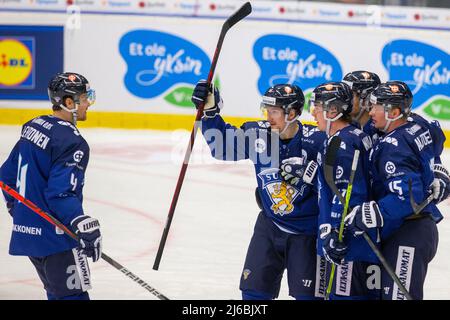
16, 62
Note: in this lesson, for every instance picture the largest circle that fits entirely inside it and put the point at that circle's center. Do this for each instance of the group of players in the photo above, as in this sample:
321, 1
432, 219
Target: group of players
298, 227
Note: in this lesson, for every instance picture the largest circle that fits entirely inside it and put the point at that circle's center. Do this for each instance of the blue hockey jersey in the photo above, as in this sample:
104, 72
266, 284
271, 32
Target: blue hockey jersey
406, 153
293, 209
331, 209
47, 166
437, 134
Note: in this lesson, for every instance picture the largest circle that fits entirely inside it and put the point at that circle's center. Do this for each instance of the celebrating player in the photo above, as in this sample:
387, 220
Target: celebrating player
404, 156
285, 232
331, 106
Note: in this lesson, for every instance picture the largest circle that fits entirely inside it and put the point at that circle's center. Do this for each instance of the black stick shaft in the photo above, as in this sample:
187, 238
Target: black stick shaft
244, 11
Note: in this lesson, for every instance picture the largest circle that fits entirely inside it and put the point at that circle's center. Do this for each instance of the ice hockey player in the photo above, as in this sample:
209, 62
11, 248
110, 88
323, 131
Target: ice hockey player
404, 154
286, 228
47, 166
362, 84
356, 273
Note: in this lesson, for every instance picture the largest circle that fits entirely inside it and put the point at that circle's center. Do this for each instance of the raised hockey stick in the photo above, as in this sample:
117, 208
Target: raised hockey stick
332, 149
13, 193
417, 208
346, 206
244, 11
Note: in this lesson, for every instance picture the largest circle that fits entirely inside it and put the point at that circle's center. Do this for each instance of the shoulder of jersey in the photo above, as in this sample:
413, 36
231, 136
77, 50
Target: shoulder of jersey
264, 125
408, 133
356, 137
310, 130
57, 128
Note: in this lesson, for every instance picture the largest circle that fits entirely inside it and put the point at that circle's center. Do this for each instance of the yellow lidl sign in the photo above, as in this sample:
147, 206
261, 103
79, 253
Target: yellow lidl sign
16, 62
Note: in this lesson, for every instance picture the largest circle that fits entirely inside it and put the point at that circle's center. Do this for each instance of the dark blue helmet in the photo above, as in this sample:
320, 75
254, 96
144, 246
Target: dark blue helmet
69, 84
337, 94
362, 82
286, 96
393, 94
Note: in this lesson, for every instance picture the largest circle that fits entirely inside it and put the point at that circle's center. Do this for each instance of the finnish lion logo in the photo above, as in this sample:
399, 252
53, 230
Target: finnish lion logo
284, 194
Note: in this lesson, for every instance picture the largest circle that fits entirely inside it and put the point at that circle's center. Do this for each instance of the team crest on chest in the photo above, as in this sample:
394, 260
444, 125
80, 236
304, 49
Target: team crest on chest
280, 193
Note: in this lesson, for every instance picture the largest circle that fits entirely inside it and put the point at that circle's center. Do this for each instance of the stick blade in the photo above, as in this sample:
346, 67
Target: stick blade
330, 159
332, 149
243, 11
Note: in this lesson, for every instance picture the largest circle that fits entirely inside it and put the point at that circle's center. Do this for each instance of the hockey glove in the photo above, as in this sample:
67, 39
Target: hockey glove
213, 102
363, 217
333, 250
441, 183
89, 237
295, 169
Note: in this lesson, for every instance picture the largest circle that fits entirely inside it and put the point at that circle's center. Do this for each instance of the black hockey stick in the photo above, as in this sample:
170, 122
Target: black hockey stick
244, 11
13, 193
330, 159
417, 208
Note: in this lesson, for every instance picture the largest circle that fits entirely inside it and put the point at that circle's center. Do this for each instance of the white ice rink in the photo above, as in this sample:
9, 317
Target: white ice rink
129, 186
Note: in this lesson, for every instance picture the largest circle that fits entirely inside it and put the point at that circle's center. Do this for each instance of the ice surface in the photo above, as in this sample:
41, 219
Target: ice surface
129, 186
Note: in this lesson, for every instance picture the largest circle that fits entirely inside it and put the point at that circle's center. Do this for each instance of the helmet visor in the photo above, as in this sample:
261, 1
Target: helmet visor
90, 96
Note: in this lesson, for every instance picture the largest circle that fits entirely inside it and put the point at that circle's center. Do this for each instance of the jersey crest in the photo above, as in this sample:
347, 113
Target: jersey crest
281, 194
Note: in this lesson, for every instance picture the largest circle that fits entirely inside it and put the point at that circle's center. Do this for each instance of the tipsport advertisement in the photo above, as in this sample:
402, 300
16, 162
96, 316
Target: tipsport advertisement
29, 57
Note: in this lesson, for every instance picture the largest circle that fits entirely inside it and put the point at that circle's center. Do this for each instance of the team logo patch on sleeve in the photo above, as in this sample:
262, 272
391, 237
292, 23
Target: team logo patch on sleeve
390, 167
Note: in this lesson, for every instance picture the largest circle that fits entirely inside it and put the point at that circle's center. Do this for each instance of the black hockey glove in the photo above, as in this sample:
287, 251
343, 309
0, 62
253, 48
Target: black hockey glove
89, 237
363, 217
441, 183
333, 249
213, 102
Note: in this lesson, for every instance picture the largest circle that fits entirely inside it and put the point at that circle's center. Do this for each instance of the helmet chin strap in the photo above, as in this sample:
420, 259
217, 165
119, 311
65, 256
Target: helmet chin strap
288, 122
389, 120
362, 109
330, 120
73, 111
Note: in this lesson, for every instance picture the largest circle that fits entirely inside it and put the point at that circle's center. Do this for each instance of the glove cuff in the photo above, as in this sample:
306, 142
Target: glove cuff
310, 172
441, 169
85, 224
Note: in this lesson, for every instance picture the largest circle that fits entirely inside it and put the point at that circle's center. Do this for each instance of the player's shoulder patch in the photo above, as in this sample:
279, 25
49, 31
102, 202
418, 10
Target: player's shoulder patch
356, 131
413, 129
69, 127
309, 130
390, 140
256, 125
367, 143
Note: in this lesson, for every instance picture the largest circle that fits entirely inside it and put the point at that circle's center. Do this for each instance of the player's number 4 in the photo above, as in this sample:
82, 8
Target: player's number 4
21, 183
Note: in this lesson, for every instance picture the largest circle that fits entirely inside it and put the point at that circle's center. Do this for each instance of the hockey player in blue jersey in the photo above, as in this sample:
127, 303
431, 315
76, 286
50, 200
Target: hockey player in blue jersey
404, 155
362, 84
47, 166
356, 269
285, 231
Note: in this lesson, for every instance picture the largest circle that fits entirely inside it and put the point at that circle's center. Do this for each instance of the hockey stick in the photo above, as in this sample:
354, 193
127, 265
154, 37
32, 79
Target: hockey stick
344, 214
13, 193
244, 11
332, 149
417, 208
